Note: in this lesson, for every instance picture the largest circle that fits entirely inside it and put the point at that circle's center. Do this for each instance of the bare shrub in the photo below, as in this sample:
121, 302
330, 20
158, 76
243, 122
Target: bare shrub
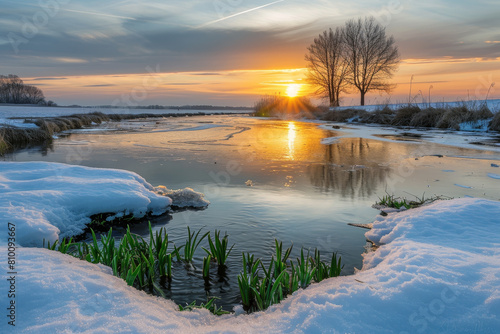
276, 105
452, 118
481, 113
380, 116
404, 115
343, 115
18, 136
495, 122
3, 145
427, 118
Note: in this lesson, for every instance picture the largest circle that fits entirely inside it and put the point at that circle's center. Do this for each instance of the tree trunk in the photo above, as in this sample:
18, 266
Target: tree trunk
362, 98
333, 103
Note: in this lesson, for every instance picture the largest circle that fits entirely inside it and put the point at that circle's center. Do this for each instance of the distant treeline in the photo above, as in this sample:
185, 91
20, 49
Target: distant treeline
185, 107
14, 90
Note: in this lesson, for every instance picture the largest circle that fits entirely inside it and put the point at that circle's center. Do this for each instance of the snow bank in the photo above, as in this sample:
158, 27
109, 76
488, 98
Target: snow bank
51, 200
442, 137
437, 271
493, 105
184, 198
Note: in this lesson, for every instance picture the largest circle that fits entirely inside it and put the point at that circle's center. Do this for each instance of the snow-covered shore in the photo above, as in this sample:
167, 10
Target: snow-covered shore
51, 201
493, 105
437, 271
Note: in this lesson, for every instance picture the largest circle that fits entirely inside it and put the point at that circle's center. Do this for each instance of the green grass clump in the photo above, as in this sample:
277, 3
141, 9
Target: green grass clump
206, 267
64, 247
397, 203
210, 305
268, 291
192, 243
247, 280
324, 270
218, 248
146, 264
393, 202
281, 277
304, 271
138, 262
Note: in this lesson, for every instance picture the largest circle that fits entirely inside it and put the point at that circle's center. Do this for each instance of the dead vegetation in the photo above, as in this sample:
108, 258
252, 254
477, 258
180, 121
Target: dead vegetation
414, 116
427, 118
380, 116
495, 123
404, 115
11, 137
344, 115
14, 137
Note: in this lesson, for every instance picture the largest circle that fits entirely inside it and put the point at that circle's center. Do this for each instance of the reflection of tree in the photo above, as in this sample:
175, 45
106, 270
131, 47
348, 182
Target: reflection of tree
351, 167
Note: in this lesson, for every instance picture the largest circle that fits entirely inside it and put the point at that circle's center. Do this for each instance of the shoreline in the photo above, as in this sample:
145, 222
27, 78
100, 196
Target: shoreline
13, 138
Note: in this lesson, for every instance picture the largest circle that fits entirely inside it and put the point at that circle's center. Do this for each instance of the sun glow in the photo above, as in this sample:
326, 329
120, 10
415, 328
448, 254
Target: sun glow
292, 90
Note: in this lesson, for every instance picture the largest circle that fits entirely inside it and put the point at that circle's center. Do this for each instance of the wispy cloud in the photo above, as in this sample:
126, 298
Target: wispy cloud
207, 73
69, 60
98, 13
44, 79
103, 85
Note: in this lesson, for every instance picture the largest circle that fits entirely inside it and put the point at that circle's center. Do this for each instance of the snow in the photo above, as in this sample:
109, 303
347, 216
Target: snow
444, 137
51, 200
469, 132
437, 269
478, 126
462, 186
330, 140
184, 198
195, 128
494, 176
493, 105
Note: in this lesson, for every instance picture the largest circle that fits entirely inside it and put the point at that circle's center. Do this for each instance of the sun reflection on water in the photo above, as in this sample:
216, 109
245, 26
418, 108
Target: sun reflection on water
292, 134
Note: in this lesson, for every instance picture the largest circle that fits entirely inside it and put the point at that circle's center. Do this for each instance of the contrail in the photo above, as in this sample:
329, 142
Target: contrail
237, 14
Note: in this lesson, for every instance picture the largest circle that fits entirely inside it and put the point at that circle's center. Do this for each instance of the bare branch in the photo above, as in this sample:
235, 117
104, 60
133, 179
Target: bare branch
373, 57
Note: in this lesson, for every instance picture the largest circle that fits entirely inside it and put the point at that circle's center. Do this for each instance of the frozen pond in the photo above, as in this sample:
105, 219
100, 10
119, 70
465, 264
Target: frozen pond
270, 179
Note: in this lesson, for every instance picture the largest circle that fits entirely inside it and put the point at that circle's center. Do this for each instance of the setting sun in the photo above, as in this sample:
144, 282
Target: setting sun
293, 90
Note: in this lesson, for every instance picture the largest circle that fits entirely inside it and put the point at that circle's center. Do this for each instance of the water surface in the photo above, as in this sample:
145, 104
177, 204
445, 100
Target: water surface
270, 179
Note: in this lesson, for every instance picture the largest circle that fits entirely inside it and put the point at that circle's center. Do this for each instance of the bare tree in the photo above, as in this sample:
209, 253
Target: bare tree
32, 95
13, 90
373, 57
327, 66
11, 87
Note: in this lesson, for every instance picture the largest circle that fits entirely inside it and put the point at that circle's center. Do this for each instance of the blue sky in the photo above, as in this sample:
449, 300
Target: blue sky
85, 43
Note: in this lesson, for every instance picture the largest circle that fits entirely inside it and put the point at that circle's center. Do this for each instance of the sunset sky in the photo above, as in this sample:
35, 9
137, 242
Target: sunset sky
231, 52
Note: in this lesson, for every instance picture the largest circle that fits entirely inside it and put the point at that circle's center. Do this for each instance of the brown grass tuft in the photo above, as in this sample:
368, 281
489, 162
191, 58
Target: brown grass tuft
427, 118
380, 116
404, 115
452, 118
479, 114
11, 137
495, 122
343, 115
